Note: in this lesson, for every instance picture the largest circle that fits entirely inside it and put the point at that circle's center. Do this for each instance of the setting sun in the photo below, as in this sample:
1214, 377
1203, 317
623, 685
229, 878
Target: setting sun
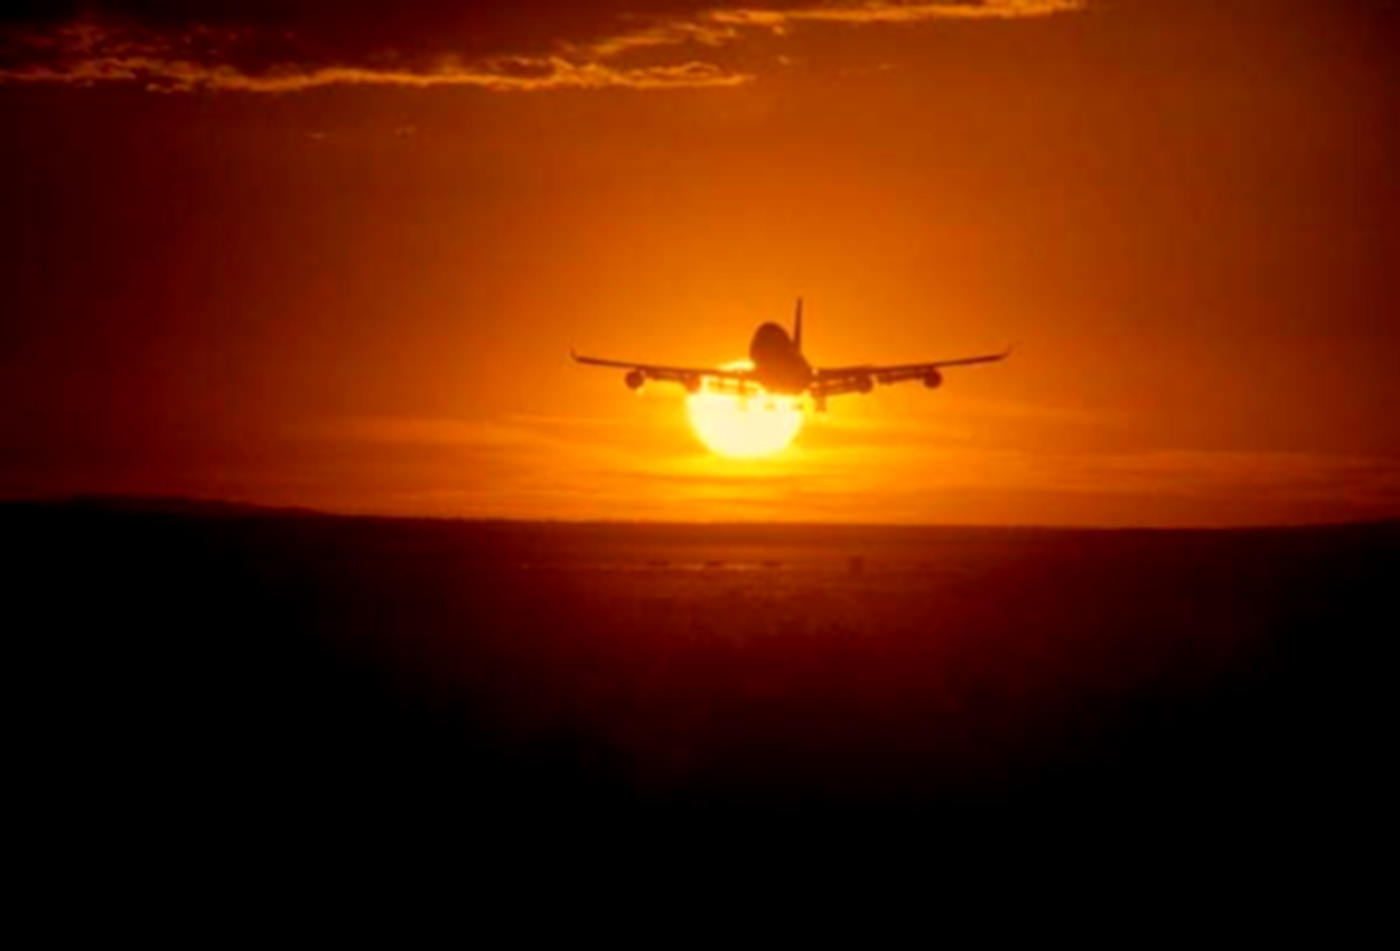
743, 427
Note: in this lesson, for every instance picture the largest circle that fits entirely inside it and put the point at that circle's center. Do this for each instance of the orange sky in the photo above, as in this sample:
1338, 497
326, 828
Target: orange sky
305, 254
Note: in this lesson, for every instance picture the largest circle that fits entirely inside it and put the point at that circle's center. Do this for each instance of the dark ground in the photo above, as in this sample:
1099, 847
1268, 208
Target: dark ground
173, 666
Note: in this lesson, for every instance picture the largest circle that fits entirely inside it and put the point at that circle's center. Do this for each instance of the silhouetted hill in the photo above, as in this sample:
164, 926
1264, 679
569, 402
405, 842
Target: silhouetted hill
164, 505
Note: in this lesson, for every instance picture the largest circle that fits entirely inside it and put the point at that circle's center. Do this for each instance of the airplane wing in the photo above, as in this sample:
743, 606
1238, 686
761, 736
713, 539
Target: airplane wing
834, 381
689, 377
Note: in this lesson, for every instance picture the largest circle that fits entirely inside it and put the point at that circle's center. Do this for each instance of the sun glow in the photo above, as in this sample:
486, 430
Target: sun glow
743, 427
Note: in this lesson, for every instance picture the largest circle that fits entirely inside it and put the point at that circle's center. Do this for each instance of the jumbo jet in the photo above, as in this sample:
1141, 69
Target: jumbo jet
779, 368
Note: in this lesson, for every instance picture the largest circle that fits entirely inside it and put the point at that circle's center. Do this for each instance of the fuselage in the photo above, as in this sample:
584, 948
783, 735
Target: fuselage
778, 363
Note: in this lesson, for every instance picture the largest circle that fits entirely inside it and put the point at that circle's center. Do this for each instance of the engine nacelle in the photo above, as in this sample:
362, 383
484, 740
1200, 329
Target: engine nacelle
933, 379
692, 384
863, 384
635, 380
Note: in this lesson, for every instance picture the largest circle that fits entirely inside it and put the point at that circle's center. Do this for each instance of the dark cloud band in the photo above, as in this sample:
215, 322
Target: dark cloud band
233, 47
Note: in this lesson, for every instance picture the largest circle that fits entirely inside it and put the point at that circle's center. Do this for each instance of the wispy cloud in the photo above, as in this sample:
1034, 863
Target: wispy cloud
720, 26
87, 54
536, 467
890, 11
658, 53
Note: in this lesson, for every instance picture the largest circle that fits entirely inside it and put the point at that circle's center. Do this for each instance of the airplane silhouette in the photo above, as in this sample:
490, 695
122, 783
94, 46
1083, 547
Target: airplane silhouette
779, 368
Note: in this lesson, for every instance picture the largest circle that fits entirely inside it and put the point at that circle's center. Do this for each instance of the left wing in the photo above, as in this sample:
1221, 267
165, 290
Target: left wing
834, 381
689, 377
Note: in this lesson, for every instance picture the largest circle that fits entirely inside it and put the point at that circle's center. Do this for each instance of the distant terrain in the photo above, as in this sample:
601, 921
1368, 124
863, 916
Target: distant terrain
183, 658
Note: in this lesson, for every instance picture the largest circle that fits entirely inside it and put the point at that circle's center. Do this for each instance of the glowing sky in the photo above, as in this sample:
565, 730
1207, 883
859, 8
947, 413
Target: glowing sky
330, 255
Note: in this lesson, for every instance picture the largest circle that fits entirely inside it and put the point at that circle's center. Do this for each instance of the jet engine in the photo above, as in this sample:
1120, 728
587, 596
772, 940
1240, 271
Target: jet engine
863, 384
692, 385
933, 379
635, 380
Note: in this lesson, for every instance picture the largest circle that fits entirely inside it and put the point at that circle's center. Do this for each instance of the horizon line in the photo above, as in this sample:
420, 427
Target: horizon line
195, 506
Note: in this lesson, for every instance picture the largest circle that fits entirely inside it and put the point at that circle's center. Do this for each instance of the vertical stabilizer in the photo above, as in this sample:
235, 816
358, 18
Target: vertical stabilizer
797, 327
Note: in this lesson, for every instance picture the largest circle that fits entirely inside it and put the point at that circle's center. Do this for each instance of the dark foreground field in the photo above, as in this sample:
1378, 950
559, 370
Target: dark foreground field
181, 667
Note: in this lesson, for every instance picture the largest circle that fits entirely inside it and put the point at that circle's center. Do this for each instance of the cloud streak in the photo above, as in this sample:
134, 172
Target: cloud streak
659, 54
629, 469
86, 55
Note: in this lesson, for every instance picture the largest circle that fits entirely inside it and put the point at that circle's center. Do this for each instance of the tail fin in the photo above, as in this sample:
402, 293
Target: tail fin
797, 327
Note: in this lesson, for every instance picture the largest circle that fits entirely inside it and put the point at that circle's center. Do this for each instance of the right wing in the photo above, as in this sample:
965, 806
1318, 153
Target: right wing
835, 381
689, 377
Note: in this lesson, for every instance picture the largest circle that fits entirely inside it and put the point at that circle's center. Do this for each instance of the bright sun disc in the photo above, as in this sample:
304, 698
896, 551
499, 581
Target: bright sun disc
743, 428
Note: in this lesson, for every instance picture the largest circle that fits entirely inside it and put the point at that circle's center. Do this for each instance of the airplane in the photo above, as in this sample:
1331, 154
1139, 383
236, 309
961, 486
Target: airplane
779, 368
